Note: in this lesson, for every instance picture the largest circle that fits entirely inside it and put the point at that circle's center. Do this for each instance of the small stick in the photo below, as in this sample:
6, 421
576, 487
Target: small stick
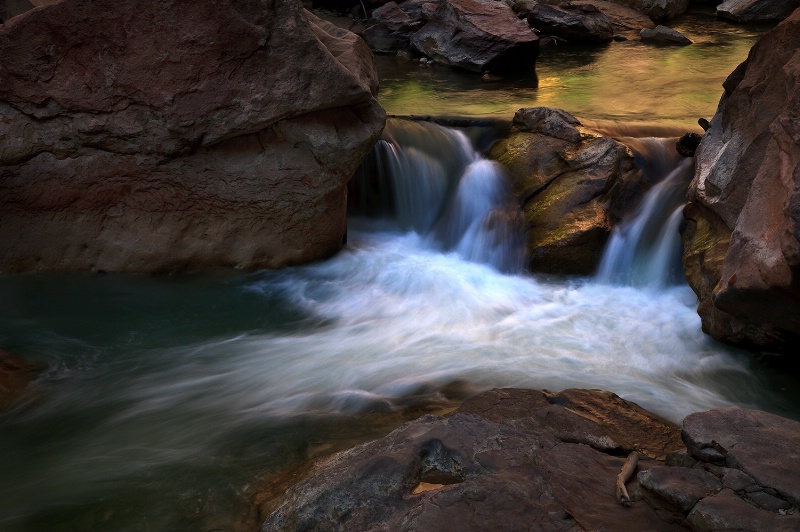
624, 475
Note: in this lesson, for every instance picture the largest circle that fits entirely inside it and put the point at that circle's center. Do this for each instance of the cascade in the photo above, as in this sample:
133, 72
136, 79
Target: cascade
429, 179
645, 249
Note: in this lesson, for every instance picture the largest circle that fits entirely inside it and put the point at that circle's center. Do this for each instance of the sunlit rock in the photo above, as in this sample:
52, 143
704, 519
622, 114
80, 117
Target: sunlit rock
166, 136
742, 239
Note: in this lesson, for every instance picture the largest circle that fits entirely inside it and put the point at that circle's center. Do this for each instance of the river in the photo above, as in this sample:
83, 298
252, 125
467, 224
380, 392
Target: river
164, 399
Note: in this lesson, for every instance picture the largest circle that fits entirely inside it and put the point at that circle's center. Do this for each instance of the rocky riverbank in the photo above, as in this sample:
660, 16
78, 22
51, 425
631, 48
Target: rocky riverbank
511, 459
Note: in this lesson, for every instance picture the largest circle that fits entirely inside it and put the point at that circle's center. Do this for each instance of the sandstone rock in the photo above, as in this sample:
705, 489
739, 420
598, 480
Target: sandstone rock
477, 35
726, 511
500, 464
764, 446
161, 137
678, 489
756, 10
742, 239
392, 30
573, 187
574, 22
664, 35
626, 21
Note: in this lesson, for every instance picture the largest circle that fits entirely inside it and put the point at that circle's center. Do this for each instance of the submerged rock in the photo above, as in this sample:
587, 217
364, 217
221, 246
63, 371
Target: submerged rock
514, 459
573, 186
664, 35
742, 238
153, 137
756, 10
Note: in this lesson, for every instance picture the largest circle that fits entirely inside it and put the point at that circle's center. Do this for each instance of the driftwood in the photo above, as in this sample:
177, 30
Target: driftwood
624, 475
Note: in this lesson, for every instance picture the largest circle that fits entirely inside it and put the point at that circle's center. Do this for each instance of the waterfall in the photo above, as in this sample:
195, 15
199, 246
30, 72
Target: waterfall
645, 249
430, 179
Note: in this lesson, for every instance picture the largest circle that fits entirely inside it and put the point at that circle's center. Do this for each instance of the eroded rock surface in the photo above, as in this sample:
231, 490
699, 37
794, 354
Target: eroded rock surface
151, 137
742, 239
573, 185
757, 10
506, 459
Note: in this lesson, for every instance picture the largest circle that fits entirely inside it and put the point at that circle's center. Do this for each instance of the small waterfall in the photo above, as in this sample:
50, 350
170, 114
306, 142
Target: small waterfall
645, 249
429, 179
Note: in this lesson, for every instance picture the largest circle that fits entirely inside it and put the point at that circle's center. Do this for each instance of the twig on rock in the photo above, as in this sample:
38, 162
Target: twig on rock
624, 475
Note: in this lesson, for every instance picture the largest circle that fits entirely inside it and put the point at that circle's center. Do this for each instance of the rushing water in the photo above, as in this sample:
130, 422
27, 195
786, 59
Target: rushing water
162, 399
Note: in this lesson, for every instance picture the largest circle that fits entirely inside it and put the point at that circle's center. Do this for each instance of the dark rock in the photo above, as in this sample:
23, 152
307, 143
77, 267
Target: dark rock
726, 511
766, 501
680, 459
688, 143
764, 446
756, 10
664, 35
742, 237
15, 375
146, 137
573, 186
477, 35
392, 30
575, 23
12, 8
677, 489
737, 480
627, 22
514, 473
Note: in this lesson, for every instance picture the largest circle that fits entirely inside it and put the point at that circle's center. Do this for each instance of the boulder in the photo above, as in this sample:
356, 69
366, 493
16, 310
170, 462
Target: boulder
505, 460
756, 10
626, 21
477, 35
573, 186
664, 35
168, 136
12, 8
742, 237
574, 22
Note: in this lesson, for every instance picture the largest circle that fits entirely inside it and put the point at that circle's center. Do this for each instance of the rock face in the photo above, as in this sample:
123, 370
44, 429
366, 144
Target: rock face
12, 8
573, 185
742, 238
575, 23
477, 35
128, 143
506, 459
756, 10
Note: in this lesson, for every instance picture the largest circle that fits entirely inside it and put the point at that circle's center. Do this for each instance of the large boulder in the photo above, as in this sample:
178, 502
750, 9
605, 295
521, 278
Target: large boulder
477, 35
151, 137
505, 460
756, 10
575, 23
659, 10
574, 186
742, 238
12, 8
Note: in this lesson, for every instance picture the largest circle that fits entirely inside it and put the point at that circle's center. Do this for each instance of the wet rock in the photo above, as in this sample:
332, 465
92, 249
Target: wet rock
626, 22
664, 35
574, 22
477, 35
742, 237
146, 137
15, 375
756, 10
764, 446
514, 472
573, 185
688, 143
392, 30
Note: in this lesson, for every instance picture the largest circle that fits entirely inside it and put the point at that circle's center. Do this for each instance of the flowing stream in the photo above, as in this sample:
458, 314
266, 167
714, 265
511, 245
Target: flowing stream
163, 399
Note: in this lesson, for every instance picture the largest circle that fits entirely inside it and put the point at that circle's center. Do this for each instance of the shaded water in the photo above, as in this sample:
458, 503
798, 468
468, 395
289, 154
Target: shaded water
164, 398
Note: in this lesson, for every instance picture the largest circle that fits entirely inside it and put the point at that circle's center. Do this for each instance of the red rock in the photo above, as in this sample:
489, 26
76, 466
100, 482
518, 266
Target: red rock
147, 137
742, 241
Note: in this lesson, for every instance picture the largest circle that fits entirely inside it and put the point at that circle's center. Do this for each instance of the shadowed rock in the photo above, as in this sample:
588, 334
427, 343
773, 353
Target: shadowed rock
756, 10
664, 35
168, 136
574, 22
